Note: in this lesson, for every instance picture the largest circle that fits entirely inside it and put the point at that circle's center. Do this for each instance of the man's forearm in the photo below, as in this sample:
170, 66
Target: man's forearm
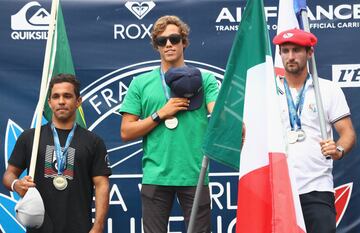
8, 179
10, 175
101, 203
137, 129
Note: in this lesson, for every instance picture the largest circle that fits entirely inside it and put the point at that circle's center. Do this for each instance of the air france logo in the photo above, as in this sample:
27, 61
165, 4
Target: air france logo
327, 16
30, 28
140, 9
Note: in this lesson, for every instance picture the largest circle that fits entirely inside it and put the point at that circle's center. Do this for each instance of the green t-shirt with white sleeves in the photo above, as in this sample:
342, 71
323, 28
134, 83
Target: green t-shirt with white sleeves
171, 157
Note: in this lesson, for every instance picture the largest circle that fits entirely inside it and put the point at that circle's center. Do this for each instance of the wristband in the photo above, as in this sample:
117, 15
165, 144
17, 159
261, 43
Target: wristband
155, 117
13, 184
341, 150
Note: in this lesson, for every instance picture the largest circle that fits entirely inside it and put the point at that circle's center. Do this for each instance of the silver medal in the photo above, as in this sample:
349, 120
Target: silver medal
292, 136
301, 135
171, 123
60, 182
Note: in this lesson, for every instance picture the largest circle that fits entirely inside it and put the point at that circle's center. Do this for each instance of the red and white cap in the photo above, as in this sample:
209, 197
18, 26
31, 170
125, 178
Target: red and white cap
296, 36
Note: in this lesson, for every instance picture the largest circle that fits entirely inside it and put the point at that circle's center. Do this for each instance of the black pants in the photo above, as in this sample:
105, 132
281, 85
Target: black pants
319, 212
157, 202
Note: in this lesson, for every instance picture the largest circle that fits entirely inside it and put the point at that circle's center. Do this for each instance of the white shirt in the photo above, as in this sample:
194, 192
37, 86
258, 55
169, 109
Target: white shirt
313, 172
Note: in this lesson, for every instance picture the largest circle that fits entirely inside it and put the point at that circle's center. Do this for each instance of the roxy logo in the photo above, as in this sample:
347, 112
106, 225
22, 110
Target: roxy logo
33, 28
135, 31
140, 9
346, 75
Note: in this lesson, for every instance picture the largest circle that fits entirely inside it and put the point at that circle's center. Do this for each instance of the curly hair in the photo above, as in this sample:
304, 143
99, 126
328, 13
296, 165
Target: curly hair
162, 22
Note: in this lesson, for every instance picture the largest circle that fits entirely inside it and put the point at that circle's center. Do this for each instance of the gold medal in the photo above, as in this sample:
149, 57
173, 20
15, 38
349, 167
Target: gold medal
60, 182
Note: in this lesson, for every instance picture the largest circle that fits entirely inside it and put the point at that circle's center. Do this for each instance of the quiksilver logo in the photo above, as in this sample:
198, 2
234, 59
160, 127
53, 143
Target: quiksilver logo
30, 28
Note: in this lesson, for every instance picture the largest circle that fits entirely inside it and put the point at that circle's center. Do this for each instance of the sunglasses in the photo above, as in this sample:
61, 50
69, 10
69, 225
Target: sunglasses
173, 38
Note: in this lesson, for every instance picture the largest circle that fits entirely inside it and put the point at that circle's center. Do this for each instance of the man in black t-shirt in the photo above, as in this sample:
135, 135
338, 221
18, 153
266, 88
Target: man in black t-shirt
70, 162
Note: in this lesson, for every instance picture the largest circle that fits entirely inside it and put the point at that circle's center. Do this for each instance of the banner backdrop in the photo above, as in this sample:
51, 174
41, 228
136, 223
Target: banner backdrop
110, 44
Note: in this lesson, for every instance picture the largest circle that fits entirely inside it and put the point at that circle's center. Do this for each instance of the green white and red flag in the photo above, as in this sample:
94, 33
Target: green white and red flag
267, 197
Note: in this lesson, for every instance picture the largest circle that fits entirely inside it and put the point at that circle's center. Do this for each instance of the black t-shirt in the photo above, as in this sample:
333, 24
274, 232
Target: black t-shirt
69, 210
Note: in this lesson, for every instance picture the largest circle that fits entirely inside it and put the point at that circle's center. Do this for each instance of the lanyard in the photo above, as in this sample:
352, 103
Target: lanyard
62, 154
165, 87
295, 109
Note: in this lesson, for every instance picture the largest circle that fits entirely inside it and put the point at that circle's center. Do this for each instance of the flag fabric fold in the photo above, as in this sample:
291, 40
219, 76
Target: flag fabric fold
299, 6
222, 141
61, 62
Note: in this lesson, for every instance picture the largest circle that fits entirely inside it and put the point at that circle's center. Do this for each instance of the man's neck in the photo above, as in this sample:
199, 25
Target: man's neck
165, 66
296, 80
63, 125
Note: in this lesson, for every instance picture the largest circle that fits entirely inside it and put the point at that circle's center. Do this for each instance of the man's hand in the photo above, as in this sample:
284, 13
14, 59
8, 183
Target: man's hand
173, 106
328, 148
22, 186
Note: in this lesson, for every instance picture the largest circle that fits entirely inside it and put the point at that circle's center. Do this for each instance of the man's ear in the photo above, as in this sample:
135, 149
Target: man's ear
310, 52
78, 102
186, 44
48, 101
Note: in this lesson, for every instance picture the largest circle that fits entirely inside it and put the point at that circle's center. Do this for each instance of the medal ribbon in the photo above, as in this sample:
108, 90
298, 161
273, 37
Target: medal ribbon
168, 122
62, 155
165, 87
295, 109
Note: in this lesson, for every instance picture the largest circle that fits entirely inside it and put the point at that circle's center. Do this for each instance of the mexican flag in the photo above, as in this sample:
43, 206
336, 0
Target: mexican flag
267, 197
61, 60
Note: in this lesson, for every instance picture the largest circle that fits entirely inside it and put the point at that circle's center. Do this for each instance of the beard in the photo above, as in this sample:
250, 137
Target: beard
294, 68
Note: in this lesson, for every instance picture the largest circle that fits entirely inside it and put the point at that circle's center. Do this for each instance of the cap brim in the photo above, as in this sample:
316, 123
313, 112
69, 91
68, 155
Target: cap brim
195, 101
30, 209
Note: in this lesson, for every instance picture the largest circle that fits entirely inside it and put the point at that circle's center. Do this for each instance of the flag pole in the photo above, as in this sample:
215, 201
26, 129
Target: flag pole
43, 88
315, 77
195, 207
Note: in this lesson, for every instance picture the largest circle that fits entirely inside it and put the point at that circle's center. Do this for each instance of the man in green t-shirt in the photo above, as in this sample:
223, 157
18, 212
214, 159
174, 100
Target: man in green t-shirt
172, 123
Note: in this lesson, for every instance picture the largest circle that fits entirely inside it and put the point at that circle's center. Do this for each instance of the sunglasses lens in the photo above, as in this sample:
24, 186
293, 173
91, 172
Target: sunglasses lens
162, 40
175, 39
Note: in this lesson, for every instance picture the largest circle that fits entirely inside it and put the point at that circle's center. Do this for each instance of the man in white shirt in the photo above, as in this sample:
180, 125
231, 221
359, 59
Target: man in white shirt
311, 157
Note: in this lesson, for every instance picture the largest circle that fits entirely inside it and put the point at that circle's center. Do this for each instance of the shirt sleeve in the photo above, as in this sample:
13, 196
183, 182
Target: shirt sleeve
101, 163
338, 107
211, 87
132, 100
21, 151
